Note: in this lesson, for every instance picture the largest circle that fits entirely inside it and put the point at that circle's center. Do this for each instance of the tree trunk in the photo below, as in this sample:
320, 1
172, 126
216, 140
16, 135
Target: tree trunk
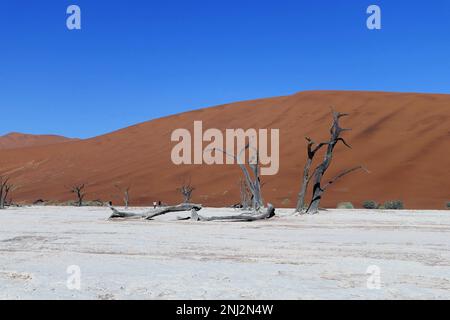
80, 200
5, 188
315, 202
319, 172
304, 187
126, 199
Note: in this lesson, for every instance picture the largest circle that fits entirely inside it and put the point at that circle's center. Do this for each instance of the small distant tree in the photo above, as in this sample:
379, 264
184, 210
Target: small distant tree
186, 190
78, 190
5, 189
126, 194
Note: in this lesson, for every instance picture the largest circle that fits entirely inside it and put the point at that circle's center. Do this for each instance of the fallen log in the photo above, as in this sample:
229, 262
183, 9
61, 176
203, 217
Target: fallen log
248, 216
150, 214
178, 208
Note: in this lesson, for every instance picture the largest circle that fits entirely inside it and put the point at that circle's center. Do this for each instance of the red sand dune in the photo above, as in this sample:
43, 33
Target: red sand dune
402, 138
16, 140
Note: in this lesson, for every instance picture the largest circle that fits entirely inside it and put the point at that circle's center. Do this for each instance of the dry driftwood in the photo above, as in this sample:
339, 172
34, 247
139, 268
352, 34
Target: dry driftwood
248, 216
148, 215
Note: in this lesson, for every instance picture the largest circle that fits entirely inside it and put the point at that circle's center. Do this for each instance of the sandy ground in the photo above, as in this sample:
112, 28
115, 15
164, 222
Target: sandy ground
325, 256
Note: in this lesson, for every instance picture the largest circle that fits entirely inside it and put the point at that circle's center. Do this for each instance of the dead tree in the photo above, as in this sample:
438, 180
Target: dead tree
78, 190
253, 181
312, 149
126, 195
8, 189
3, 185
319, 172
186, 190
5, 189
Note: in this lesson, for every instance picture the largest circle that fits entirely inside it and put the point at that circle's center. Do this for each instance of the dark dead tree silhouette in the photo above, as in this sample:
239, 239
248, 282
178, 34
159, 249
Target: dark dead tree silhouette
312, 149
78, 190
319, 172
186, 190
5, 189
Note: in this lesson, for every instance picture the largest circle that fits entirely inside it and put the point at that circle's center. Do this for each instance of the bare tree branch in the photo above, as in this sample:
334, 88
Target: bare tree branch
344, 142
342, 174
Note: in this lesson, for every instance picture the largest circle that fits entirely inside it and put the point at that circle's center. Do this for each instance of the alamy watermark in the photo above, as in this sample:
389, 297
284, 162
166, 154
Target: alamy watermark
74, 279
73, 22
374, 20
234, 146
374, 279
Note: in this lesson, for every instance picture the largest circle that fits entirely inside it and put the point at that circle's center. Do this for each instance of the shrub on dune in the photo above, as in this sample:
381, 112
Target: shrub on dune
345, 205
394, 205
370, 204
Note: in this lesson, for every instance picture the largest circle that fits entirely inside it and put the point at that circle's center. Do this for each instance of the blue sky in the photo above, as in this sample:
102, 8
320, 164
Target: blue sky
137, 60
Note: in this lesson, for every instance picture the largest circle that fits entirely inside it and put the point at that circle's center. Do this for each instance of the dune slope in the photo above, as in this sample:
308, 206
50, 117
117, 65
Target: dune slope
16, 140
